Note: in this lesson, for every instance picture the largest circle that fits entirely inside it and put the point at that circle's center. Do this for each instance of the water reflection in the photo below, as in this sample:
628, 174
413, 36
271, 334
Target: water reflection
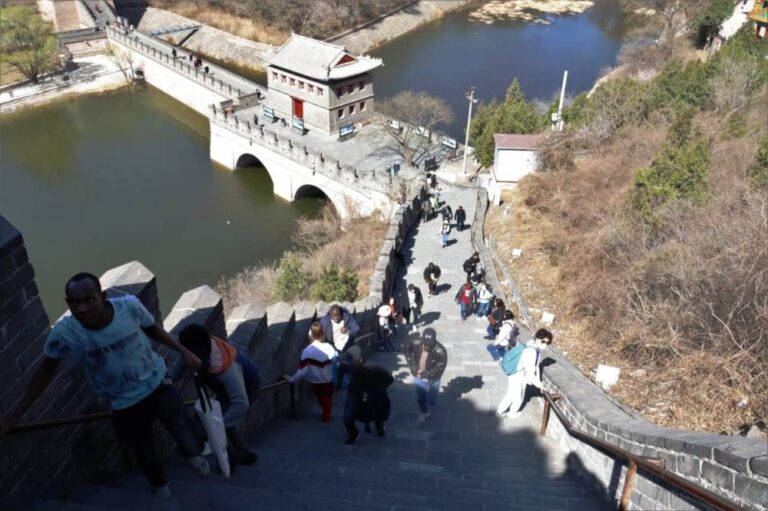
448, 56
139, 185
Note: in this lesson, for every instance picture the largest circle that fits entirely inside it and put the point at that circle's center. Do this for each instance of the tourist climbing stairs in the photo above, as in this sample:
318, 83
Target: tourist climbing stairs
463, 457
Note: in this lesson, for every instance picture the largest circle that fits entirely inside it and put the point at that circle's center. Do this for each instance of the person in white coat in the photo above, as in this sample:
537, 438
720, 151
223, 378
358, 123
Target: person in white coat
526, 373
316, 366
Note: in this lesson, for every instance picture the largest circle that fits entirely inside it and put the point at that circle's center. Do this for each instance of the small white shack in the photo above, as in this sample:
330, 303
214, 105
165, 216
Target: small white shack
515, 157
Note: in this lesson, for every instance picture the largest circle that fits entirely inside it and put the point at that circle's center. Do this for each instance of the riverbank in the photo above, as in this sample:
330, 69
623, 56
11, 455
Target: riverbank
391, 25
93, 74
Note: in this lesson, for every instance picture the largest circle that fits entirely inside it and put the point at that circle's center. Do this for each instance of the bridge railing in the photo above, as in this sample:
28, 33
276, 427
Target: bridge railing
217, 79
300, 153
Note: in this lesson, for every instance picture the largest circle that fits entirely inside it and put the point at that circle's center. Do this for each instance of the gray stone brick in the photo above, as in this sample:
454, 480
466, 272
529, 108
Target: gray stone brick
759, 466
10, 238
688, 465
20, 257
16, 282
7, 267
736, 453
752, 490
25, 317
717, 475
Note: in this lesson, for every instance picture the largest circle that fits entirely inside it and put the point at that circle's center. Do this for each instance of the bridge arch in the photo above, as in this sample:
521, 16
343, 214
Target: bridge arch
308, 190
249, 160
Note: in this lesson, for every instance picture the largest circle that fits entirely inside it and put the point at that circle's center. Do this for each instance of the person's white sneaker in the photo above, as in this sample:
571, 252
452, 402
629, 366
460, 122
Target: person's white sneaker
422, 418
162, 491
200, 464
501, 415
513, 415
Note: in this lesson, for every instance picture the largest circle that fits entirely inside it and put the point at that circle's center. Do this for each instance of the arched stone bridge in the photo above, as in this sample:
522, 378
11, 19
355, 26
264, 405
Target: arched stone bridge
350, 174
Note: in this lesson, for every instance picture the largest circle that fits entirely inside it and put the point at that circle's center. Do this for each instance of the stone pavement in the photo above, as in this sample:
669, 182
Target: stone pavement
463, 457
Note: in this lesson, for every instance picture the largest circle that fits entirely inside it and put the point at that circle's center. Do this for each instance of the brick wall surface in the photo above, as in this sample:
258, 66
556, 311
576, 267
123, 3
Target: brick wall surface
733, 467
50, 462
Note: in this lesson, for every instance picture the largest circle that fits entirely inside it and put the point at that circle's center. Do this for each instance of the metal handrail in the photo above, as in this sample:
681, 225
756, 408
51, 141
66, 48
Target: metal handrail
106, 414
656, 466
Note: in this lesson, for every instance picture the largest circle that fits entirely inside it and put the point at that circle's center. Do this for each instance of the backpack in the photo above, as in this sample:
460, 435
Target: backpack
512, 359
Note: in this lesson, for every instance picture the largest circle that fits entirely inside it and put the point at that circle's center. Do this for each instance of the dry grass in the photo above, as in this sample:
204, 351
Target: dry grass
691, 311
251, 28
9, 74
320, 242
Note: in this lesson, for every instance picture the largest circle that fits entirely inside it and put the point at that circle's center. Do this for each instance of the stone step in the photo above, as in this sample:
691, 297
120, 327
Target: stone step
123, 499
341, 477
336, 492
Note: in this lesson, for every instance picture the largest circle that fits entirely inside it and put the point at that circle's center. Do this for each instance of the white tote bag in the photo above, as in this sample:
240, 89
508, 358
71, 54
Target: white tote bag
209, 411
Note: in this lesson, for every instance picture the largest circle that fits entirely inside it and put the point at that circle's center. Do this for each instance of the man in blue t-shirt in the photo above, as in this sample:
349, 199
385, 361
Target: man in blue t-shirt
113, 336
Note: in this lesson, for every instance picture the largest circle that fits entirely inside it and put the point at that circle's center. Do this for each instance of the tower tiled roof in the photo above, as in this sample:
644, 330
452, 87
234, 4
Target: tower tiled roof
320, 60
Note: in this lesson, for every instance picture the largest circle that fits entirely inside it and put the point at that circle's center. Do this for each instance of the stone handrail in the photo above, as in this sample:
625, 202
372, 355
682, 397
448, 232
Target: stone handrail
218, 80
301, 153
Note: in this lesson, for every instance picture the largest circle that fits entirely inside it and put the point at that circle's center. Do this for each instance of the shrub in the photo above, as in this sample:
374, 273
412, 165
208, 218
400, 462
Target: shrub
758, 172
678, 172
291, 281
707, 23
335, 285
679, 87
513, 115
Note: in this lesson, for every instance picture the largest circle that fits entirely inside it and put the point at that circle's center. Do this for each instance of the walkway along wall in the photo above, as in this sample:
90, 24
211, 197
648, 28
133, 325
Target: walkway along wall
733, 467
50, 462
177, 77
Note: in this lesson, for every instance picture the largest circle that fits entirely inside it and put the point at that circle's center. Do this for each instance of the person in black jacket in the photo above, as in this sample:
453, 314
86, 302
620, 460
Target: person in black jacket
460, 216
426, 359
367, 397
470, 266
415, 302
431, 276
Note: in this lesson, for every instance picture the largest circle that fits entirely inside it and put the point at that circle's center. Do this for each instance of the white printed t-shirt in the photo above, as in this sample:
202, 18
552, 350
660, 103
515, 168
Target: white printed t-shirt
119, 364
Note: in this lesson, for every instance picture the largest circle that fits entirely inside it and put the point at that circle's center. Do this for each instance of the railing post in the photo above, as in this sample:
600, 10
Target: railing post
626, 492
545, 418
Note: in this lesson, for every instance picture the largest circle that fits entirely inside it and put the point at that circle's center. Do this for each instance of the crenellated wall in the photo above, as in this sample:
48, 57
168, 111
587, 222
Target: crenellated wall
50, 462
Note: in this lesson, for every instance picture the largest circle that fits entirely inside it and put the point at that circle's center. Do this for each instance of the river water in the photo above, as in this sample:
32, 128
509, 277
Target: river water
448, 56
98, 181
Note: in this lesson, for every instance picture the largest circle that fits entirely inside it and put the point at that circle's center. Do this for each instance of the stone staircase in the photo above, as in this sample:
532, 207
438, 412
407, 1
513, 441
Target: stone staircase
303, 465
463, 458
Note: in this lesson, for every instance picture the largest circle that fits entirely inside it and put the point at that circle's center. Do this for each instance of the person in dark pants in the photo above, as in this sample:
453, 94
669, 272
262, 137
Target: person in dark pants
470, 266
495, 318
460, 217
431, 276
113, 335
426, 360
367, 397
173, 53
415, 302
230, 374
466, 298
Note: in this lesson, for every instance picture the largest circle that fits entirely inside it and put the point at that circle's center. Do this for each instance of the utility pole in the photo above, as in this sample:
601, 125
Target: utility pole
471, 97
557, 118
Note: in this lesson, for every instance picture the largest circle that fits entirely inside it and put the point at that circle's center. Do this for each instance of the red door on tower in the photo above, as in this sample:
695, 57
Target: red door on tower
298, 108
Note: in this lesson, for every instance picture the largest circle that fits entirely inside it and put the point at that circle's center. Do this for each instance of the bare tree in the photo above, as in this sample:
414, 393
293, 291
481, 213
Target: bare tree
123, 59
673, 15
732, 88
419, 114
